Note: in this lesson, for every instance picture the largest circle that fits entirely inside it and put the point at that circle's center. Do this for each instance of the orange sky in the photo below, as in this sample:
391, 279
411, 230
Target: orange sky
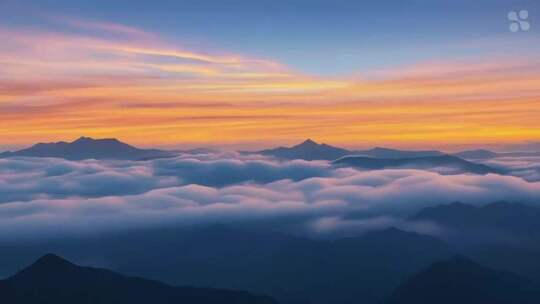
145, 90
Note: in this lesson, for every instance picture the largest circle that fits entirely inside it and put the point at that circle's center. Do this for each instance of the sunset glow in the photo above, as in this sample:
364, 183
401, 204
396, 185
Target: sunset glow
107, 79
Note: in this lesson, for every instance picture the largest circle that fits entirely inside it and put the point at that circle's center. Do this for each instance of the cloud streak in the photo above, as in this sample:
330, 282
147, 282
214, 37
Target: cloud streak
91, 71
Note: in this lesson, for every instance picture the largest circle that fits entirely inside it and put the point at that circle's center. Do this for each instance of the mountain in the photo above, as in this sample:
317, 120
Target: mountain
501, 234
293, 270
308, 150
482, 154
476, 154
445, 163
515, 218
518, 154
379, 152
52, 279
89, 148
460, 280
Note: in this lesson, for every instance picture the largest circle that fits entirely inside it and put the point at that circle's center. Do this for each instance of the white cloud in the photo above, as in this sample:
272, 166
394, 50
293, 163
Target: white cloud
58, 197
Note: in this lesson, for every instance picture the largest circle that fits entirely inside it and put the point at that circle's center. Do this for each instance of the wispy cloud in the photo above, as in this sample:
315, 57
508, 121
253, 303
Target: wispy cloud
92, 72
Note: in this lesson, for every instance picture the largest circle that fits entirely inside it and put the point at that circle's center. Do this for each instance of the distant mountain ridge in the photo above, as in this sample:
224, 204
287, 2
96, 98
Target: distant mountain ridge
379, 152
476, 154
452, 163
111, 148
51, 279
89, 148
311, 150
482, 154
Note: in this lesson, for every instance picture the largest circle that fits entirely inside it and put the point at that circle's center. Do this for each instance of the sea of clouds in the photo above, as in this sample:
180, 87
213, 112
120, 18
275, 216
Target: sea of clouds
48, 197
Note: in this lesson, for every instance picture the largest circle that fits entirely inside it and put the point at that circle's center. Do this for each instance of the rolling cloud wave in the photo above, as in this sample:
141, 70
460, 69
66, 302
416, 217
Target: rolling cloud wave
54, 197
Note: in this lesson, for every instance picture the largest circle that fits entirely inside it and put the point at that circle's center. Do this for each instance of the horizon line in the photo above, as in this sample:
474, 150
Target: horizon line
496, 147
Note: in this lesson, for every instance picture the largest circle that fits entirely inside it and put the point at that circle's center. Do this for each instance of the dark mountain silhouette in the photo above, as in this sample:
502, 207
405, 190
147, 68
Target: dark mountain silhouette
476, 154
460, 280
89, 148
293, 270
379, 152
501, 234
52, 279
451, 163
308, 150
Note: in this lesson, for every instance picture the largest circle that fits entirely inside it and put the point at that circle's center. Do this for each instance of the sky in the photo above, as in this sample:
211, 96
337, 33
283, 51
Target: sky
253, 74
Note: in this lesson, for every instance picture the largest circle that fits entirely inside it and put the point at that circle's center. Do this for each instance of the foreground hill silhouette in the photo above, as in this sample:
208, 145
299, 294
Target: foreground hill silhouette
52, 279
89, 148
460, 280
503, 235
292, 270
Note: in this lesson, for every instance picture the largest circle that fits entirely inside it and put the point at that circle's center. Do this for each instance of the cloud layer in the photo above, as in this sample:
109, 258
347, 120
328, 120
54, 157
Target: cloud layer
53, 197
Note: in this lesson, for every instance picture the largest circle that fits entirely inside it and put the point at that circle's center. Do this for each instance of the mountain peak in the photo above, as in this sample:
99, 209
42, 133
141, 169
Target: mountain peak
51, 258
307, 150
309, 142
51, 279
45, 268
50, 261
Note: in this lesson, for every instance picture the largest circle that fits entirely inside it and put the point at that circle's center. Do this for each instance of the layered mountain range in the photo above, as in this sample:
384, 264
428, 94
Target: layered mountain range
111, 148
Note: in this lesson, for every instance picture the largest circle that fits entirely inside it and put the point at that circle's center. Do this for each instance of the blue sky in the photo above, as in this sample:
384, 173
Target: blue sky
317, 37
